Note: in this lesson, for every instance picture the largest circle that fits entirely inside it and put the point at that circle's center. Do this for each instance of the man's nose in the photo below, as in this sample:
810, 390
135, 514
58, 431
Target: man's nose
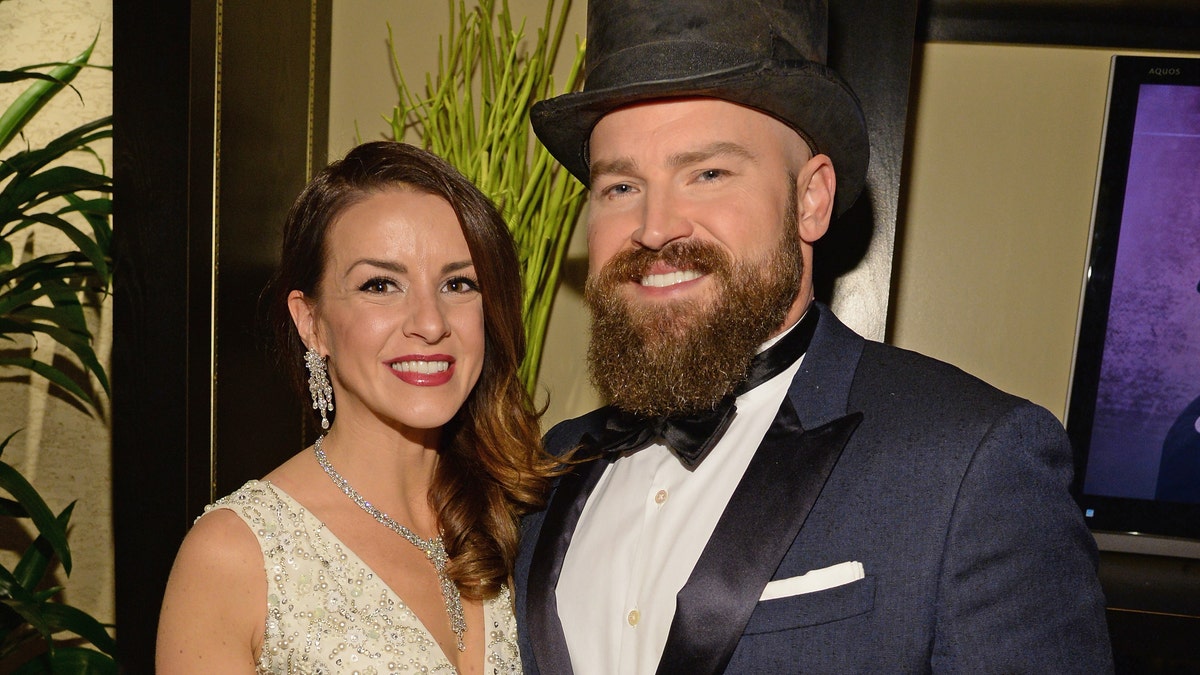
663, 220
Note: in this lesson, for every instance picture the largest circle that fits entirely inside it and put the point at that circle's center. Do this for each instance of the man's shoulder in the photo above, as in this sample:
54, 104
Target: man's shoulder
883, 373
908, 382
905, 367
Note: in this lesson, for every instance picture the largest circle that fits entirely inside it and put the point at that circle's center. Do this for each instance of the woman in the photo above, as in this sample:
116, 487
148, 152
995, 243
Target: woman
389, 543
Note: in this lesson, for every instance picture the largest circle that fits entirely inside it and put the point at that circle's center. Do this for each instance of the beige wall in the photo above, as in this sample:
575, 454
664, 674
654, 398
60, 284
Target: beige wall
991, 247
63, 451
362, 87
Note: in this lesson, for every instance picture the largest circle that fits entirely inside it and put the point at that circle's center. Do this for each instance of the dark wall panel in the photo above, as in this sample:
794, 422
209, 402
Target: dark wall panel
1122, 24
871, 47
159, 413
220, 112
266, 148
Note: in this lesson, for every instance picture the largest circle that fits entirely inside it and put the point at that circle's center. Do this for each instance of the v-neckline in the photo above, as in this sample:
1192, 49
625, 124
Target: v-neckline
353, 556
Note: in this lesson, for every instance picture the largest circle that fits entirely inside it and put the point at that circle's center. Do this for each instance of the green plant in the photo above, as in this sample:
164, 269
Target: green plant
46, 295
49, 295
475, 113
28, 613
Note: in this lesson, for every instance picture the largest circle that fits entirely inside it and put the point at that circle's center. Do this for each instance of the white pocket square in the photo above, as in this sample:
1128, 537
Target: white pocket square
814, 580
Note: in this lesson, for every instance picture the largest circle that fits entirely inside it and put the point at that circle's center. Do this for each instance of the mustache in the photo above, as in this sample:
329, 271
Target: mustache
632, 264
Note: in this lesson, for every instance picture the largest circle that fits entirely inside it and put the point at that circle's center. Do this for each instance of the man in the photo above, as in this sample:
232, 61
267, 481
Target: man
769, 492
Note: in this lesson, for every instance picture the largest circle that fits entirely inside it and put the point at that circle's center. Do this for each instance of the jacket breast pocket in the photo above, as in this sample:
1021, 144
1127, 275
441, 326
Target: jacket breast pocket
812, 609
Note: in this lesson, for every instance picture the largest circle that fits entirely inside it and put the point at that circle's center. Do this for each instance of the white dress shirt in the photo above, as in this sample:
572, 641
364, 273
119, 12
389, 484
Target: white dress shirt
639, 537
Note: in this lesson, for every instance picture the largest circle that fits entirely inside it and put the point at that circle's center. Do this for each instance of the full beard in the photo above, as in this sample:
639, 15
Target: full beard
683, 357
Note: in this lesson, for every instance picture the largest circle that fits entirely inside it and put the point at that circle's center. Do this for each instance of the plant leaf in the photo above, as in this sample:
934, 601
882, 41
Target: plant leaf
11, 509
86, 245
70, 660
23, 602
53, 374
37, 558
10, 76
25, 191
13, 631
61, 316
62, 617
36, 96
46, 523
50, 267
4, 443
96, 212
48, 276
80, 347
29, 161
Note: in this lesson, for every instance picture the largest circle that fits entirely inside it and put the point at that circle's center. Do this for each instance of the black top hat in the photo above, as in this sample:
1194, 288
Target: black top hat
765, 54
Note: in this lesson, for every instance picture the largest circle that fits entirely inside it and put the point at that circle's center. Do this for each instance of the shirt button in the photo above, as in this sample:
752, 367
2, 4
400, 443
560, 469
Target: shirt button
660, 497
634, 617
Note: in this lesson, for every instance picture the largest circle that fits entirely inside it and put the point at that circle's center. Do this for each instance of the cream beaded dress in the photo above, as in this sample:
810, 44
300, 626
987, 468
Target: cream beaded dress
327, 612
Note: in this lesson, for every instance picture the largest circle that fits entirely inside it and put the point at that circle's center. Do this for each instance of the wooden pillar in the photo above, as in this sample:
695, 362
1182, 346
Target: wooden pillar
871, 47
219, 117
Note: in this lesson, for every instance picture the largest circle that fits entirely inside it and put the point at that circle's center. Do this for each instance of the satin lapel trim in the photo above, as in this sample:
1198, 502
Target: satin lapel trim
759, 524
562, 514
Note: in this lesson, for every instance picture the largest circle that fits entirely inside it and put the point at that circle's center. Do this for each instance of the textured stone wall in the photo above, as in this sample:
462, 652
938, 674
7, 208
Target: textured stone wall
64, 449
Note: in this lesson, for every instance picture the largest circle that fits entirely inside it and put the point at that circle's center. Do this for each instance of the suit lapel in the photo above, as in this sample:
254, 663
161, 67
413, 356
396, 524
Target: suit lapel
562, 514
757, 528
820, 392
754, 533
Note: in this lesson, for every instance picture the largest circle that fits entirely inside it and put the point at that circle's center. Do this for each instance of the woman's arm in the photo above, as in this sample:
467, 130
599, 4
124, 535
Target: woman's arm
214, 610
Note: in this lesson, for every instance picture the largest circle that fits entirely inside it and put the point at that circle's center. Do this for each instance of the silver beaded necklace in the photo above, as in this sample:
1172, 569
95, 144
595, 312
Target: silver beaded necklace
433, 548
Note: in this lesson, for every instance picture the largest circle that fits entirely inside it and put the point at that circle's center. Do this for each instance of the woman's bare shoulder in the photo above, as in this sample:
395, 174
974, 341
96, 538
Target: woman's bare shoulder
222, 537
214, 608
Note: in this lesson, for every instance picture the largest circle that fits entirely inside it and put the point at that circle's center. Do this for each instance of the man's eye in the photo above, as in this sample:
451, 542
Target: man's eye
712, 174
617, 189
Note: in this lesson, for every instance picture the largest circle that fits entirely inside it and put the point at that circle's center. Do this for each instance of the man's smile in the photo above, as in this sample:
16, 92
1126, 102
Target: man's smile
669, 278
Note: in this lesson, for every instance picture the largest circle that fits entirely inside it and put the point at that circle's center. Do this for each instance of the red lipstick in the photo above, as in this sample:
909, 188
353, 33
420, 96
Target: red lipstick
423, 370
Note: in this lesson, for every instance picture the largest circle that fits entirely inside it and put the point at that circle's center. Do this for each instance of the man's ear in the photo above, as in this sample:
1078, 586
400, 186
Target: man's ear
304, 317
815, 187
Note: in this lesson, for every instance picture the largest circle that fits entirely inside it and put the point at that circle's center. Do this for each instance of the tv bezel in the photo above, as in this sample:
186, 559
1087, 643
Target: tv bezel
1108, 515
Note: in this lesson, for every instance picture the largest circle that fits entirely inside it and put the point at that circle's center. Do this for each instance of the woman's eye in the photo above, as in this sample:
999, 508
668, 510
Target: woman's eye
462, 285
378, 285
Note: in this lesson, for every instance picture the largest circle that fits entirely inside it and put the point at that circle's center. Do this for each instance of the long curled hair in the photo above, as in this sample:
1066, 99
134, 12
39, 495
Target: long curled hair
491, 467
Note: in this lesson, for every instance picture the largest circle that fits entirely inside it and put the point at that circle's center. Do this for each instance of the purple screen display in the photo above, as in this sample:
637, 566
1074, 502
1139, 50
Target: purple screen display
1145, 441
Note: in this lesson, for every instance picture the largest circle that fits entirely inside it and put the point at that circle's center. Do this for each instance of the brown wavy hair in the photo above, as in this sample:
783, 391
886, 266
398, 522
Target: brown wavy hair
492, 468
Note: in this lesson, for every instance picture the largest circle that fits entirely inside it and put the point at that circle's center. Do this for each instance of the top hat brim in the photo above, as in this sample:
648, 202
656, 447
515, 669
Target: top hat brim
805, 95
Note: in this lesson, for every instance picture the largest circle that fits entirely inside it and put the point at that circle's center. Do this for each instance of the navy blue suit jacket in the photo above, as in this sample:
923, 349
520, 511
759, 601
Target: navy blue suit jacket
952, 494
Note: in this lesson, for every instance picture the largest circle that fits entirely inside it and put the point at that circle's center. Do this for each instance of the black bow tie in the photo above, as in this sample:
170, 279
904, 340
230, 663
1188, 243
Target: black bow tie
692, 437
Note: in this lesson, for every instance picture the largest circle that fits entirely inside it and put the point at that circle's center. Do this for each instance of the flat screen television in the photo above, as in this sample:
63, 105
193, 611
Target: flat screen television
1134, 408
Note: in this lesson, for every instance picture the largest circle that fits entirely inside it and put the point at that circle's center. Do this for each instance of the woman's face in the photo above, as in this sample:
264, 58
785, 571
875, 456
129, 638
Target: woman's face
398, 312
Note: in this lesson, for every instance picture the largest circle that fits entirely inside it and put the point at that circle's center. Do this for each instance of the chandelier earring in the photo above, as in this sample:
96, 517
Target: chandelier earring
318, 385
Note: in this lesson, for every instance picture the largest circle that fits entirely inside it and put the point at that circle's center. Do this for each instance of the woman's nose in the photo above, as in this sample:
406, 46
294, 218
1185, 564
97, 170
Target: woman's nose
427, 318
